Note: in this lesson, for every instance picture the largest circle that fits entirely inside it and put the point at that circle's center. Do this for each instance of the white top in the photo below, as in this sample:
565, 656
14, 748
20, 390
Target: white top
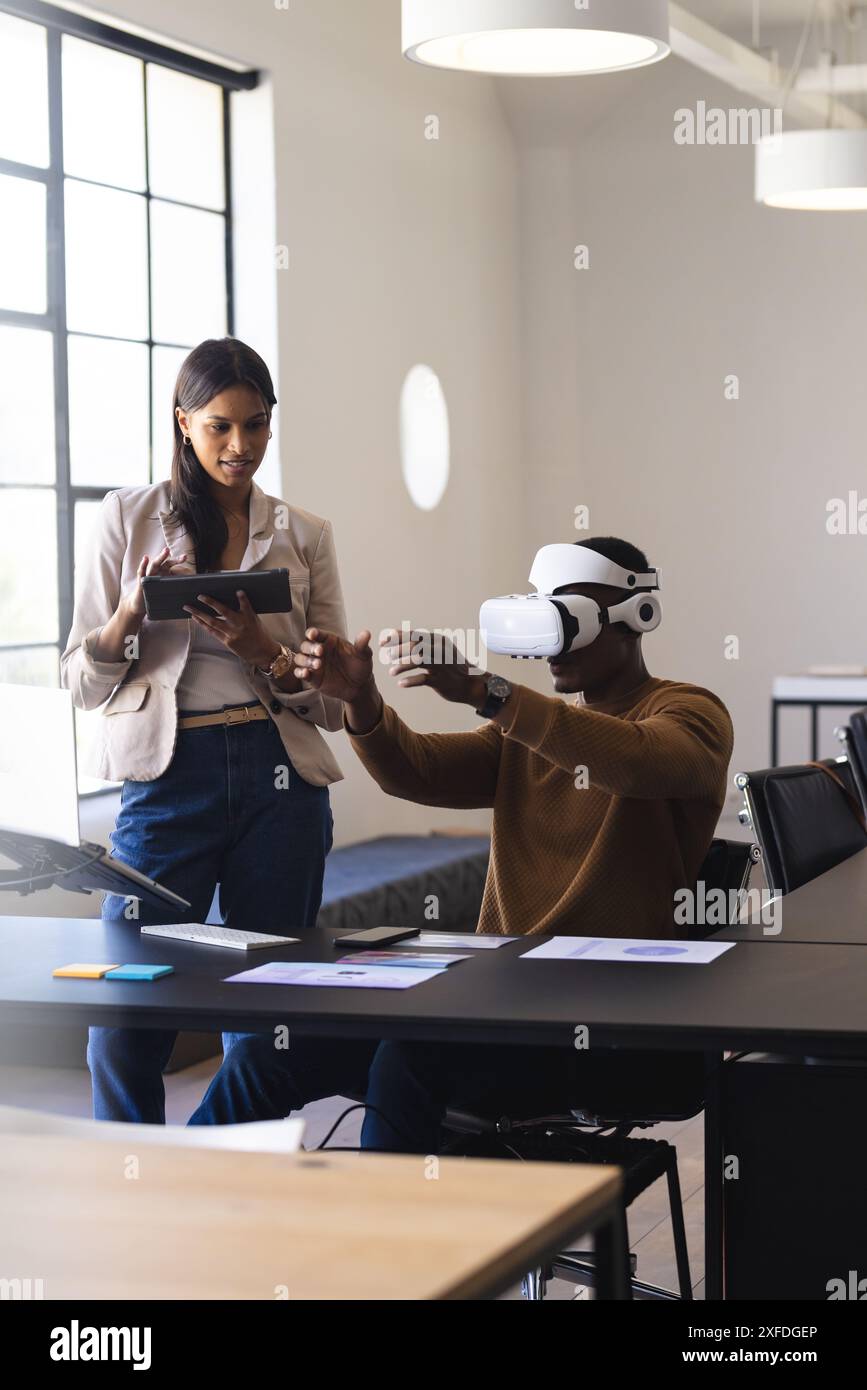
213, 676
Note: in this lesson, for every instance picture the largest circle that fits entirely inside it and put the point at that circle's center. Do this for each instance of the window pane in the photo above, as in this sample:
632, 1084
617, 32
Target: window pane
188, 274
36, 666
86, 516
22, 244
88, 730
166, 362
23, 92
108, 412
106, 261
103, 114
28, 591
26, 406
185, 138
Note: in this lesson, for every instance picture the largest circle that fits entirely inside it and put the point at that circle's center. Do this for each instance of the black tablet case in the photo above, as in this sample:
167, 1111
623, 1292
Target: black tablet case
165, 595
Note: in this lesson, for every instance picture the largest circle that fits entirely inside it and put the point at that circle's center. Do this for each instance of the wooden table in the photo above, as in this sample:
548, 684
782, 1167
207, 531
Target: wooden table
201, 1224
801, 998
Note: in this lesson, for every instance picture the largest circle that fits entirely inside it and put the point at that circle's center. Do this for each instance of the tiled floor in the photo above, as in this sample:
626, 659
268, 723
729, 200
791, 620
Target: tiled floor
67, 1091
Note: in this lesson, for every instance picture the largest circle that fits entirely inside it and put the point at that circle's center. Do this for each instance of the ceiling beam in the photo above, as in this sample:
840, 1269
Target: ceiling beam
741, 67
837, 78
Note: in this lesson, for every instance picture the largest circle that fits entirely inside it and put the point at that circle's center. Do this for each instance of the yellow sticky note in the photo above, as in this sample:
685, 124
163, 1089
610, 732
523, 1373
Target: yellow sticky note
82, 972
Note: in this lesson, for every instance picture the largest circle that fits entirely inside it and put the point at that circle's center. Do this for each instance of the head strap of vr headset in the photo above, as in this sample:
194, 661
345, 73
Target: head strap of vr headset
556, 566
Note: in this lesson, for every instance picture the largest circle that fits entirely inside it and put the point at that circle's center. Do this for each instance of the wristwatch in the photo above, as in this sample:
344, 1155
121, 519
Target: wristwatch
284, 661
499, 691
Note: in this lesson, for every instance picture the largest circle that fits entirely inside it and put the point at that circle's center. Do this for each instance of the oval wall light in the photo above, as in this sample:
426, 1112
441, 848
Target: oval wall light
535, 38
813, 170
424, 437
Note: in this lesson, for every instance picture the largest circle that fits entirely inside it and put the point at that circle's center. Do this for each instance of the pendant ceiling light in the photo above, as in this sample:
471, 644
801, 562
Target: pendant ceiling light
813, 170
535, 38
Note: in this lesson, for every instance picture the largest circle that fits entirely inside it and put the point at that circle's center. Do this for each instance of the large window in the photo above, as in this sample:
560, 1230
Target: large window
115, 259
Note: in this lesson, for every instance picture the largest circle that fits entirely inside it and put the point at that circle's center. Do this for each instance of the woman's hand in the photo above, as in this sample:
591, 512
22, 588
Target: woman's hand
241, 630
432, 659
161, 565
114, 641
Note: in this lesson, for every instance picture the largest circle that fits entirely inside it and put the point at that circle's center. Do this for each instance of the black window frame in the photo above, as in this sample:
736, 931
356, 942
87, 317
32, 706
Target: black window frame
57, 23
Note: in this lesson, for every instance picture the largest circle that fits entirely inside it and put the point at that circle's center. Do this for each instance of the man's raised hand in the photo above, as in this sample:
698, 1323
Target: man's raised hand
419, 657
334, 666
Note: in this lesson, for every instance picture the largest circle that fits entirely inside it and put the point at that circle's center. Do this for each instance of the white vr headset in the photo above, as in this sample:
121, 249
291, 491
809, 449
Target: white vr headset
546, 624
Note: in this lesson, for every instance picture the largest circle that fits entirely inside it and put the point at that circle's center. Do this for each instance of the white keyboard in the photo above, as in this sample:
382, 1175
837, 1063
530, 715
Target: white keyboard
206, 935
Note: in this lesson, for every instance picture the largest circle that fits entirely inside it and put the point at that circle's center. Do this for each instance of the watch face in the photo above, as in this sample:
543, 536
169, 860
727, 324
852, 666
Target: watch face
499, 686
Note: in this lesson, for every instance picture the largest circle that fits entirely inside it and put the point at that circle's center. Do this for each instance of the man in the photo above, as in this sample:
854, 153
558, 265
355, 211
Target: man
603, 808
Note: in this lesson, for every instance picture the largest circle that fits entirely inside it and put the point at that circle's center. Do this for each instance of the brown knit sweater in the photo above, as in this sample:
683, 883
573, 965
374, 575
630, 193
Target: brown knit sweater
595, 854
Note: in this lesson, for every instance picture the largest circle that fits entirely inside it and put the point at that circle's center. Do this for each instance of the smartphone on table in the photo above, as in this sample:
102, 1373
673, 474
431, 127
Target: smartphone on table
376, 936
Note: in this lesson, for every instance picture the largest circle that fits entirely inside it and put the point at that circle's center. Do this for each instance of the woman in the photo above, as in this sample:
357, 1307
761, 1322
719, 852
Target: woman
225, 774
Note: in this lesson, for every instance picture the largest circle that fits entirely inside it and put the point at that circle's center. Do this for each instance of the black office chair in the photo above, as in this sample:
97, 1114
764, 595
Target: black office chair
853, 737
806, 818
577, 1136
728, 865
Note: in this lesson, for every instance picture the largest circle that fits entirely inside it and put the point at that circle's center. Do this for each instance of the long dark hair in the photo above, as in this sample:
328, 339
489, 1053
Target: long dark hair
210, 368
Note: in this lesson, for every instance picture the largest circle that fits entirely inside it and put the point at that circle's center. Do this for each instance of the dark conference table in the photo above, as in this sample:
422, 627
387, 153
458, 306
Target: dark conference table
801, 998
749, 998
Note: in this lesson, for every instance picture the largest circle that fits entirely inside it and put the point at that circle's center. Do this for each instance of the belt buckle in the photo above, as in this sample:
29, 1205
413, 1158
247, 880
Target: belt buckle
239, 715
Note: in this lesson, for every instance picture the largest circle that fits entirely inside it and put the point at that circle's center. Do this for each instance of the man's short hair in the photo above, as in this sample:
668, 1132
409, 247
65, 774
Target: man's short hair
629, 557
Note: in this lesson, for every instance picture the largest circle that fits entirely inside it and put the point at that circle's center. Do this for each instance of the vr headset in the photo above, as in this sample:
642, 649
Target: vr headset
546, 624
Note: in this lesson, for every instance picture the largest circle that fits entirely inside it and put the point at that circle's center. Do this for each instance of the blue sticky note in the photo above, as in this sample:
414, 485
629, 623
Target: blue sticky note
139, 972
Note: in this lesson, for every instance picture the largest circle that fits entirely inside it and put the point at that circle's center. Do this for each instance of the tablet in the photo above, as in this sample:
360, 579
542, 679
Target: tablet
165, 595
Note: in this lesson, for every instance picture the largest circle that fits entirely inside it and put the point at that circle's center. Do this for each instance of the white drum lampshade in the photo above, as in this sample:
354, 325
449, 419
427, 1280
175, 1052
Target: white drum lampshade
535, 38
813, 170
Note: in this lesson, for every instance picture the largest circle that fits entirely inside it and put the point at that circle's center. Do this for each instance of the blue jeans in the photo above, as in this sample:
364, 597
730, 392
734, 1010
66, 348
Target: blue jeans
408, 1085
221, 813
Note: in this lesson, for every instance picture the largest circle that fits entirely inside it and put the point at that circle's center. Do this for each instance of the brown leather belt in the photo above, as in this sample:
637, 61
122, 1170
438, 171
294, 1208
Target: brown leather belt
236, 714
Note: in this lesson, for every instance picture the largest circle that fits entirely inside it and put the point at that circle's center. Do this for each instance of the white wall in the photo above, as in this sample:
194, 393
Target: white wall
623, 366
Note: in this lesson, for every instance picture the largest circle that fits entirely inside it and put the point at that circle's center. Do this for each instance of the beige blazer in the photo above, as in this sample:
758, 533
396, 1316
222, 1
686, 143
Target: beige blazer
139, 706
